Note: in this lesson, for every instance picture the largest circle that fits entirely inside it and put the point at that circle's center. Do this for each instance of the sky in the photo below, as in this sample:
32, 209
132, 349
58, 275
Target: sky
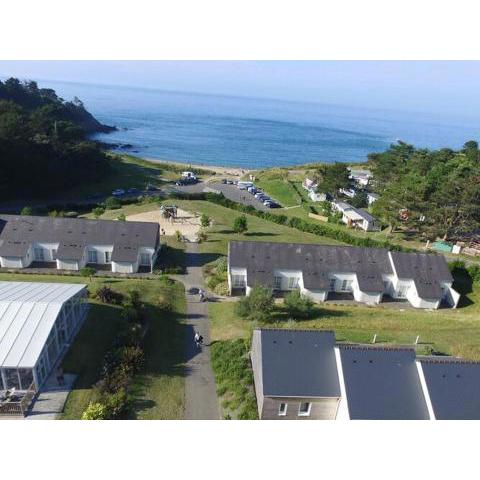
444, 87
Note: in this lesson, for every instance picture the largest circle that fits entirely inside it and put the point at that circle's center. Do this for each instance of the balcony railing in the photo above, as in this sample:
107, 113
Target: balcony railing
17, 403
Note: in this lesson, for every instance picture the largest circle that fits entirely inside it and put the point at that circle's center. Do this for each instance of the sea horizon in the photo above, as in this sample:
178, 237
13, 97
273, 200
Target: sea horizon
253, 132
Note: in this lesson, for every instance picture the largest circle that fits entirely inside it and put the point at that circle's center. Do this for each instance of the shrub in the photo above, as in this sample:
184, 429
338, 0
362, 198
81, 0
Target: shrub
113, 203
178, 235
26, 211
98, 212
240, 224
257, 306
116, 404
201, 236
221, 265
95, 411
87, 272
205, 220
122, 217
298, 305
107, 295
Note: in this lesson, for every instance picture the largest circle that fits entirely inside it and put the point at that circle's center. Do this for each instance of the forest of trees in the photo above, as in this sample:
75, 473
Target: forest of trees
44, 144
439, 190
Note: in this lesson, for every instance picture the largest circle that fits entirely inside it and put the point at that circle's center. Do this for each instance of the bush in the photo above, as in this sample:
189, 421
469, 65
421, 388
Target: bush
221, 265
240, 224
205, 220
178, 235
122, 217
95, 411
113, 203
107, 295
298, 305
201, 236
257, 306
98, 212
26, 211
116, 404
87, 272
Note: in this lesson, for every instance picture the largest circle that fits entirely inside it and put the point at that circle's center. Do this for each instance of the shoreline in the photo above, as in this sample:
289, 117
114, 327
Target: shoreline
219, 169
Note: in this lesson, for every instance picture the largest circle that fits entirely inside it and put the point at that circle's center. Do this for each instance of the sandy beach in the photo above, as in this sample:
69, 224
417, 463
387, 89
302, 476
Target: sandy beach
219, 170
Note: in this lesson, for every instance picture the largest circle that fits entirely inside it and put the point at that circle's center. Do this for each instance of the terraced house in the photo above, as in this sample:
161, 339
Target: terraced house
304, 374
72, 243
369, 275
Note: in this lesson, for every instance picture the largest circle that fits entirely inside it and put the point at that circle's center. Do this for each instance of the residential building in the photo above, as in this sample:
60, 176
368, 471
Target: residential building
317, 197
295, 374
356, 217
72, 243
309, 184
372, 197
303, 374
360, 177
321, 271
38, 322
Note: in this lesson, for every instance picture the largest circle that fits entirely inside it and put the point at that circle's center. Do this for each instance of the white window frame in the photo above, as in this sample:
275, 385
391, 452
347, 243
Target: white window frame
145, 256
332, 285
39, 254
293, 283
277, 282
108, 256
282, 412
92, 253
307, 413
403, 291
238, 281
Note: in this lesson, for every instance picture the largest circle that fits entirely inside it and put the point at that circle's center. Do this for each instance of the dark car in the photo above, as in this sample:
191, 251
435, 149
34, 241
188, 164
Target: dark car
132, 190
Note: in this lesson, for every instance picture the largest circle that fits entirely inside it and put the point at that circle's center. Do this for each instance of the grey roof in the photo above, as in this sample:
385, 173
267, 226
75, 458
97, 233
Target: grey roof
454, 388
365, 215
315, 261
299, 363
427, 271
382, 384
17, 232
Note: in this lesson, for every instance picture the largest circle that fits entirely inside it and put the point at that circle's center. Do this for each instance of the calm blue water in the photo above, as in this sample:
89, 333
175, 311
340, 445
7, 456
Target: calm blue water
255, 133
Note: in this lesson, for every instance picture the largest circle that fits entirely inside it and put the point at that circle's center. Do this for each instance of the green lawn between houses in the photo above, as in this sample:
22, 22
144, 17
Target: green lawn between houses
158, 391
444, 331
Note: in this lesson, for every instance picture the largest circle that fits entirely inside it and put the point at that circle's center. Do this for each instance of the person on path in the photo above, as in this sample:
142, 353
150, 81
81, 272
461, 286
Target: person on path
198, 339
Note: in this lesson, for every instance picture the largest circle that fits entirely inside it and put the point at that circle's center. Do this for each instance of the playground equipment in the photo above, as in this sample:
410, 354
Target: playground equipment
168, 211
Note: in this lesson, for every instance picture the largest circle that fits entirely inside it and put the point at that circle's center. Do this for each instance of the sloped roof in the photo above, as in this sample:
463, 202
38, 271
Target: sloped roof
19, 231
427, 270
299, 363
382, 384
315, 261
28, 312
454, 388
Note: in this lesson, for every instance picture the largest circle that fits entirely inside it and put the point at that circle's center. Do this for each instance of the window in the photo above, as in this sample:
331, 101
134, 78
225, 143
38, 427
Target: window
346, 285
238, 281
144, 259
282, 409
292, 283
333, 281
277, 283
402, 291
304, 409
39, 255
54, 254
108, 257
92, 256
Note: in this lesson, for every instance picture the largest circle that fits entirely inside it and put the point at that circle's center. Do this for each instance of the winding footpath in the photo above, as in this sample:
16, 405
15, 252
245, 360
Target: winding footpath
201, 401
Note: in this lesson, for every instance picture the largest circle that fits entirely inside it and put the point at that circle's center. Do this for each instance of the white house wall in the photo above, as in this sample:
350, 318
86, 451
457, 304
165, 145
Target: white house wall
316, 295
12, 262
124, 267
67, 264
49, 251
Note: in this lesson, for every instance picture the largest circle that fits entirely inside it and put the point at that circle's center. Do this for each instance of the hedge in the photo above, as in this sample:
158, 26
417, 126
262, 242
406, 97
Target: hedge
304, 225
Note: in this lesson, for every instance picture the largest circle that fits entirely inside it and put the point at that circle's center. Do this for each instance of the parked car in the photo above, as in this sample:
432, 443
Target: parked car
186, 181
118, 192
259, 194
252, 190
224, 181
132, 190
230, 182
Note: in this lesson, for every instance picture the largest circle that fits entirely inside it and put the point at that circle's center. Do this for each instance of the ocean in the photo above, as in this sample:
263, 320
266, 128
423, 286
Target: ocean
254, 132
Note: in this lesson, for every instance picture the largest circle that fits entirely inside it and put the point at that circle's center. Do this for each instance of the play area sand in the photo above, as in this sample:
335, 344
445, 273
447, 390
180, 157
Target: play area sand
187, 223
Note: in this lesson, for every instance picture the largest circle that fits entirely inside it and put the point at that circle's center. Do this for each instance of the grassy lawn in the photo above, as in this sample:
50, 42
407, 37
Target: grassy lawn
159, 391
453, 332
280, 190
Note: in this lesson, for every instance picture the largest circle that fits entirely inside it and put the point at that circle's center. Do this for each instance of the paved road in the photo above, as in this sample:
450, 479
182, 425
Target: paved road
201, 401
